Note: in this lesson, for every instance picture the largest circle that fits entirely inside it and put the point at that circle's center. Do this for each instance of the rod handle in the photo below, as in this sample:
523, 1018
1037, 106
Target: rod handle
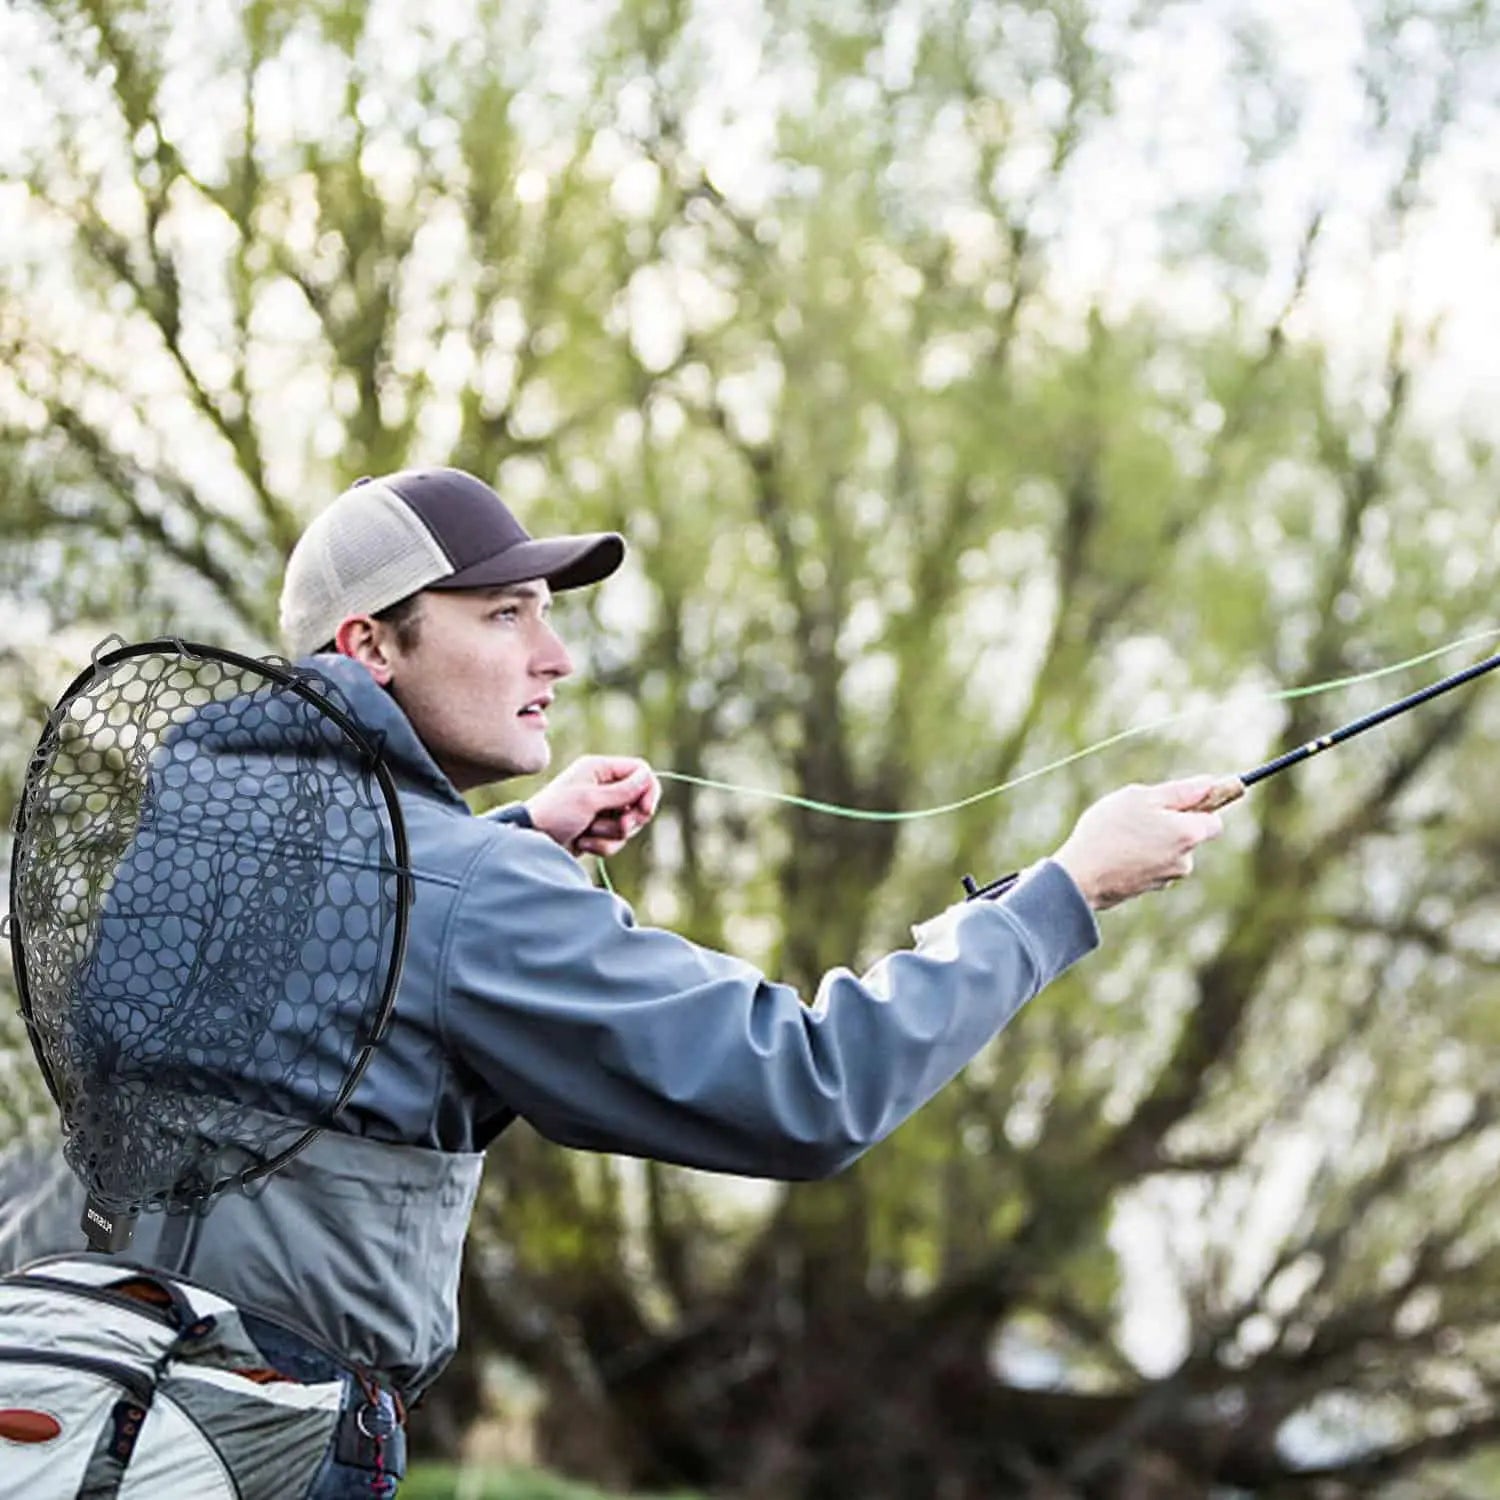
1225, 790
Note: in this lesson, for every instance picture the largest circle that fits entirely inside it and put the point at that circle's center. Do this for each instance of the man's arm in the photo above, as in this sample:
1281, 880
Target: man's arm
610, 1036
614, 1037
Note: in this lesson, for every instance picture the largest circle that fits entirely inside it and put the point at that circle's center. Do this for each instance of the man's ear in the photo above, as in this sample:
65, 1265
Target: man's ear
368, 642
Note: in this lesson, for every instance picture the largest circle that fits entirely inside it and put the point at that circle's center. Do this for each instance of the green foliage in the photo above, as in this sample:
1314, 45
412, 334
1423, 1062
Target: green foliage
916, 508
447, 1482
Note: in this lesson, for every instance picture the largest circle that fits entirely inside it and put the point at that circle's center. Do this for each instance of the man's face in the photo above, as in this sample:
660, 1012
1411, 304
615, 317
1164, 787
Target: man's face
477, 683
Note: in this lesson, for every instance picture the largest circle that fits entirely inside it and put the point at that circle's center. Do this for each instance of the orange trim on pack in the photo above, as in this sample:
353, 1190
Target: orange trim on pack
22, 1425
142, 1289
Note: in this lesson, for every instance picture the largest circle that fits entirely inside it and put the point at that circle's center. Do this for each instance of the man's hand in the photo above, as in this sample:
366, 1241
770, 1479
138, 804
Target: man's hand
598, 804
1142, 838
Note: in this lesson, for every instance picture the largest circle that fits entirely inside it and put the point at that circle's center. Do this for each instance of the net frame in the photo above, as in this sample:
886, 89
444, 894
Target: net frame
109, 1228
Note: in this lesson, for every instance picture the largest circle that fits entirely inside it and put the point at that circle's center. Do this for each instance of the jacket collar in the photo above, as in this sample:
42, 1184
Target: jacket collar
381, 717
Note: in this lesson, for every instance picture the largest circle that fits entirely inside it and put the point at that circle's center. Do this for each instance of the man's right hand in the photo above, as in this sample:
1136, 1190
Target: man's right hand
1142, 838
597, 805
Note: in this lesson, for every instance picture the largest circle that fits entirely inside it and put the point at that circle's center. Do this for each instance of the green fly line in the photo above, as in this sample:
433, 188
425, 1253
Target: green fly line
869, 815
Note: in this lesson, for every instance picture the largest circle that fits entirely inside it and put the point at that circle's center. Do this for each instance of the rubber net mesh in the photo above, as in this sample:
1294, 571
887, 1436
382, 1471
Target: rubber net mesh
205, 890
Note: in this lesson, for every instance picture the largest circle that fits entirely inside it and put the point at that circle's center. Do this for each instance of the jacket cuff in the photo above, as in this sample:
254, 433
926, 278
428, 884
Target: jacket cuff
1044, 908
515, 813
1054, 914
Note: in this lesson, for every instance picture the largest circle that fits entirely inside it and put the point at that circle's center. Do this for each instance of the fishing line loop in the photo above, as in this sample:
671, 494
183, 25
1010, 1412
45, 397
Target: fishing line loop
870, 815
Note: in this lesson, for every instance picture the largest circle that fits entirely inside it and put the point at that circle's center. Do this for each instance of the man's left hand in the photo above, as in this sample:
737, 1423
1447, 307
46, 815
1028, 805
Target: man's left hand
598, 804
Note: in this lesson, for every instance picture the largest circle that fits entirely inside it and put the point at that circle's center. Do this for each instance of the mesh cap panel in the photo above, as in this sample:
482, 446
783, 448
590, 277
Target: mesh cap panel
366, 551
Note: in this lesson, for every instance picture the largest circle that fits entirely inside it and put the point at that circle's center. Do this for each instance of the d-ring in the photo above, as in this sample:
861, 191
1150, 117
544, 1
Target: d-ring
378, 1408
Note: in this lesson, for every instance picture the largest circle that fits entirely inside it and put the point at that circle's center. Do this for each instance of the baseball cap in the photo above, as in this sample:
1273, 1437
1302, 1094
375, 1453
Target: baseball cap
385, 538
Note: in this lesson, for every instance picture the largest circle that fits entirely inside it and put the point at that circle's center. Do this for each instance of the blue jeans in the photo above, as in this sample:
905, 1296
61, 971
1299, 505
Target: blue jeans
301, 1360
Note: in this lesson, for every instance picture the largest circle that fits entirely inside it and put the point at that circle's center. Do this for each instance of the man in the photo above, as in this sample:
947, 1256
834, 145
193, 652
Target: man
528, 992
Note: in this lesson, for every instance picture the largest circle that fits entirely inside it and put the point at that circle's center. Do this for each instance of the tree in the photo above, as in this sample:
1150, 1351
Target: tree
914, 514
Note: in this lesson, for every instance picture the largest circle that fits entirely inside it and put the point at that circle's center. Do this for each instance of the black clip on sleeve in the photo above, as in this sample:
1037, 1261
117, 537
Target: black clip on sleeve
990, 892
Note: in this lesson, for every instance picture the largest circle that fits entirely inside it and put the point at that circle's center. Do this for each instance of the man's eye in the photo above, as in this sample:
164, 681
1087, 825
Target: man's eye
506, 612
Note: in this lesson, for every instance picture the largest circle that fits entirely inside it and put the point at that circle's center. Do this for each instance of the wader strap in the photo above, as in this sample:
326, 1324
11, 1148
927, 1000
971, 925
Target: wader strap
179, 1238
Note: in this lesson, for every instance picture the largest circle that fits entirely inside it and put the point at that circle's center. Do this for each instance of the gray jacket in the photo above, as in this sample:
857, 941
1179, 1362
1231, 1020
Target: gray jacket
529, 992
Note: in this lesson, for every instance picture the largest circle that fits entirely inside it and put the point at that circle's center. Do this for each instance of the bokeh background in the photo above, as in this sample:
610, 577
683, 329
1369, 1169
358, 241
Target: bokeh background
975, 382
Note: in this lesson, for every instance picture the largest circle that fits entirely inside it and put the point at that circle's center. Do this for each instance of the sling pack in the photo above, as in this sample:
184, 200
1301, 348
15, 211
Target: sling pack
123, 1383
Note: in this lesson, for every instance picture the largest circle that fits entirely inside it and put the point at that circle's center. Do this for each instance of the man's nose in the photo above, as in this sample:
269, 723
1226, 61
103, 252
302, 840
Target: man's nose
551, 658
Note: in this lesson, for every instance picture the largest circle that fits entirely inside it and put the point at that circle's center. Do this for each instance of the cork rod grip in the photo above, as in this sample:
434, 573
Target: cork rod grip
1224, 791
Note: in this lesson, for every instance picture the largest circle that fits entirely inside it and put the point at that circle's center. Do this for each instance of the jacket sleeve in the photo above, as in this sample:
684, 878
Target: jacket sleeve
516, 813
615, 1037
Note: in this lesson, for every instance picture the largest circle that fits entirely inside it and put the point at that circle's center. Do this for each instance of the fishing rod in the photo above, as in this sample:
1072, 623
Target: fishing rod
1231, 788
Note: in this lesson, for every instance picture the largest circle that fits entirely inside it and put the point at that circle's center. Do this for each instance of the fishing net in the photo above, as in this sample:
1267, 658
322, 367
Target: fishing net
208, 910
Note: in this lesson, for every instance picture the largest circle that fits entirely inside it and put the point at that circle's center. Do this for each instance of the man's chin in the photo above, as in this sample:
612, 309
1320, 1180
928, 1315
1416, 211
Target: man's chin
531, 761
